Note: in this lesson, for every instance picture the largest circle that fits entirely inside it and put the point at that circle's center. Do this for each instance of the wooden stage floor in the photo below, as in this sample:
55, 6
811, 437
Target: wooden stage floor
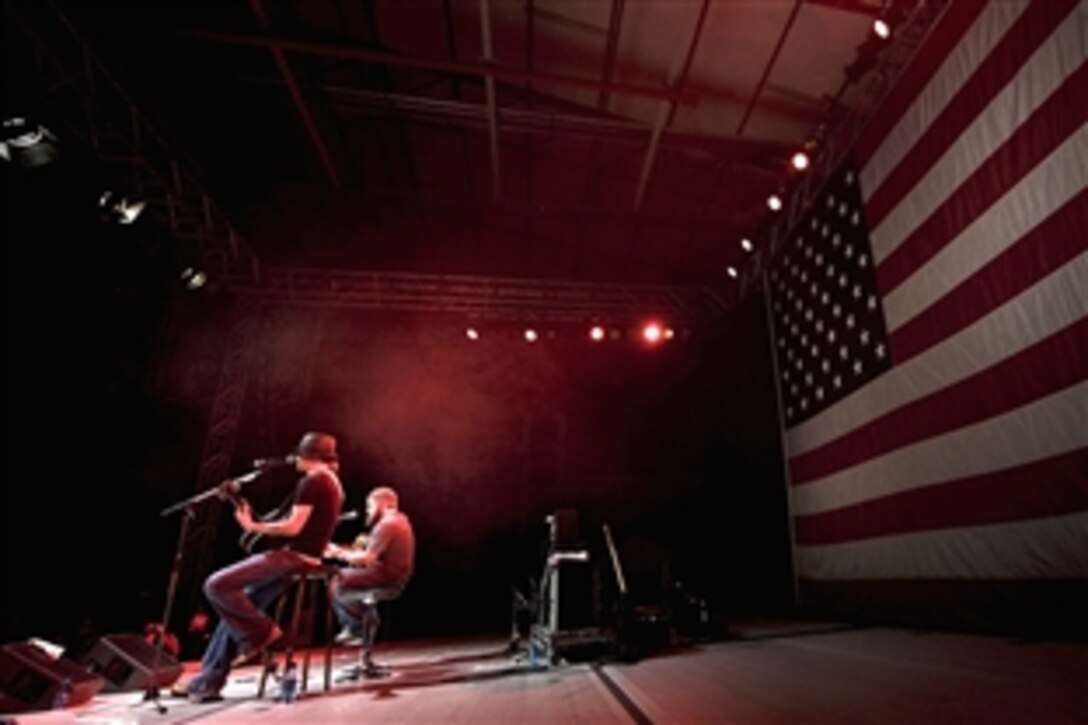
769, 672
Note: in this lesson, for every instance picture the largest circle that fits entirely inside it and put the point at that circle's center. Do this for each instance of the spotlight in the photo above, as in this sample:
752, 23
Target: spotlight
27, 144
119, 209
731, 271
746, 245
669, 333
596, 333
882, 29
651, 332
799, 161
472, 333
774, 202
531, 335
193, 278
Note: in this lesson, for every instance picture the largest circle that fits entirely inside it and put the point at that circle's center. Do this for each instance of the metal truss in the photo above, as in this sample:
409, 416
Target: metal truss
486, 298
77, 90
919, 17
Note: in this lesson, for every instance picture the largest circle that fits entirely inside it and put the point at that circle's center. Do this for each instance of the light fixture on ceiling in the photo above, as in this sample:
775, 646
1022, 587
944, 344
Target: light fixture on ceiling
746, 245
26, 143
120, 209
193, 278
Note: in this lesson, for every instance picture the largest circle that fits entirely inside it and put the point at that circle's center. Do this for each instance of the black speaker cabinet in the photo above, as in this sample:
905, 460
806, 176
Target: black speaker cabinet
127, 662
30, 679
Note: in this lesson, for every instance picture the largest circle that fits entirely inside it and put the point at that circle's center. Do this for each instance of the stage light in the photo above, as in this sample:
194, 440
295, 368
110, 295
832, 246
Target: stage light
746, 245
193, 278
531, 335
799, 161
882, 29
669, 333
614, 334
596, 333
774, 202
651, 332
27, 144
119, 209
472, 333
731, 271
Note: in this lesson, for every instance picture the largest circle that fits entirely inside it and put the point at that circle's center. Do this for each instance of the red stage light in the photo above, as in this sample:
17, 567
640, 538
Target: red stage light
652, 332
596, 333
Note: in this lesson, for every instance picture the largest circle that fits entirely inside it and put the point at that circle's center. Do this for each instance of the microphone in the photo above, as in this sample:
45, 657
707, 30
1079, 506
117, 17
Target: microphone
262, 463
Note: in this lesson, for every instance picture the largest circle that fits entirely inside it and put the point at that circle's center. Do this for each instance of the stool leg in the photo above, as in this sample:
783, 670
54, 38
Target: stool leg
266, 660
371, 622
296, 617
330, 633
311, 614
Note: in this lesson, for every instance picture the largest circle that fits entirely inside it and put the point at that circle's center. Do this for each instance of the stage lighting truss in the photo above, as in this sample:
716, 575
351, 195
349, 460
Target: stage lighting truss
529, 302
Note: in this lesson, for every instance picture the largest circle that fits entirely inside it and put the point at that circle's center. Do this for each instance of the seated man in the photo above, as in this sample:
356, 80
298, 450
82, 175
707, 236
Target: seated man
383, 564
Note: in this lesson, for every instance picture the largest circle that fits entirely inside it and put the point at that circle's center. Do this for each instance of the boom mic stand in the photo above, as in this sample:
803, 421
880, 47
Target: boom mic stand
186, 507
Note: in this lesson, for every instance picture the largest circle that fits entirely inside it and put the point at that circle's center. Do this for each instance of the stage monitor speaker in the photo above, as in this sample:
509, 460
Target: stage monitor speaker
30, 679
127, 661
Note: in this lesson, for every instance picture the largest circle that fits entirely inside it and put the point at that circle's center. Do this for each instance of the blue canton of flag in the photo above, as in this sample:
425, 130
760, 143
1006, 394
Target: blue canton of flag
830, 334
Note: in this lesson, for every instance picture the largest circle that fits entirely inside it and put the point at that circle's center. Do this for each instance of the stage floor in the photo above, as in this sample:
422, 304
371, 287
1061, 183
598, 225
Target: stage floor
768, 672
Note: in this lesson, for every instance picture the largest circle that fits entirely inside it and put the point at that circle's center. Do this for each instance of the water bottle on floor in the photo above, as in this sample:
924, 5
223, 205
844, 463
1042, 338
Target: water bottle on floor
289, 683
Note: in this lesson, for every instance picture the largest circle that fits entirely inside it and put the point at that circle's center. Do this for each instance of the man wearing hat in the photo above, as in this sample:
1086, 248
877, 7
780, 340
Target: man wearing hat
240, 592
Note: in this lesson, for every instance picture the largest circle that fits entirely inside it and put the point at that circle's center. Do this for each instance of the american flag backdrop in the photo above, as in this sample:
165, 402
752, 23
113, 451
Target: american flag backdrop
930, 332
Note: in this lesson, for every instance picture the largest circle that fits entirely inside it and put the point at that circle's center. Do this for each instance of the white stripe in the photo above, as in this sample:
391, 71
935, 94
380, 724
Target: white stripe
962, 61
1048, 548
1056, 59
1056, 180
1058, 300
1041, 429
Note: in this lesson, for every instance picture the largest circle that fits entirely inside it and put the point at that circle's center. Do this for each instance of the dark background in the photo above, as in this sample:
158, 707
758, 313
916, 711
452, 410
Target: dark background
110, 371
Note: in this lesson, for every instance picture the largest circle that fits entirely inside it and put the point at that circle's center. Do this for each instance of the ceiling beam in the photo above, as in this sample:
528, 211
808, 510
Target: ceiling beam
751, 152
770, 65
849, 6
667, 109
298, 99
499, 73
492, 104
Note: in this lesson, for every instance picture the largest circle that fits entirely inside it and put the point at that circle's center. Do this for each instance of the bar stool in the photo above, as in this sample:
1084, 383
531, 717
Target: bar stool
371, 621
311, 581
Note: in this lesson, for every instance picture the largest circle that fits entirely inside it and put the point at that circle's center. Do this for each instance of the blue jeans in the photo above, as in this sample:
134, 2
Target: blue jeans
240, 593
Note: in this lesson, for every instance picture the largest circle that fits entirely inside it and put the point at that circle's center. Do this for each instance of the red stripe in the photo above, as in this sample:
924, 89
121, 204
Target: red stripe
1060, 116
945, 36
1035, 255
1028, 33
1051, 487
1046, 367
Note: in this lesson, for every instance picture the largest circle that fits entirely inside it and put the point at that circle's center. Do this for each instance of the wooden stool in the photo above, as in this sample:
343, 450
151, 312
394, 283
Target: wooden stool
312, 581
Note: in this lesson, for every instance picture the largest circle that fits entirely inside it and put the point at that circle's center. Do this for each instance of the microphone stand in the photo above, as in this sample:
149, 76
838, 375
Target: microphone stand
186, 507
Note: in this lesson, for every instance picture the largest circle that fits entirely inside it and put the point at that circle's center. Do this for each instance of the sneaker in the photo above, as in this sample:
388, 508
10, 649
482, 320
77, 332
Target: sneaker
348, 638
251, 654
179, 690
201, 696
